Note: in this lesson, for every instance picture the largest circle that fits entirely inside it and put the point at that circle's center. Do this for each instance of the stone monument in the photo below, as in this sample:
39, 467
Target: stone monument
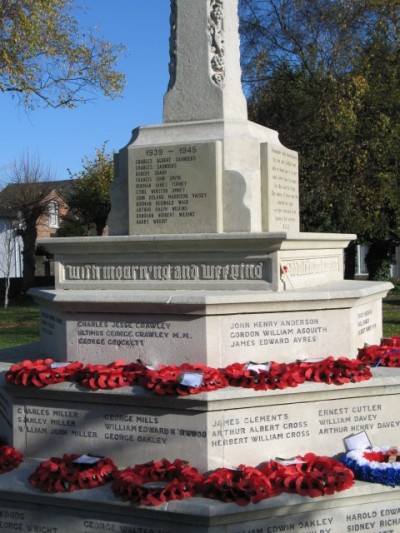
204, 263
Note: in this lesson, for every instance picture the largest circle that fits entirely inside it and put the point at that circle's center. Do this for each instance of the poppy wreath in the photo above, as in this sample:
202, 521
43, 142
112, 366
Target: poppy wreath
169, 379
387, 354
64, 474
278, 376
157, 482
391, 341
242, 485
378, 465
41, 373
336, 371
10, 458
172, 379
310, 475
112, 376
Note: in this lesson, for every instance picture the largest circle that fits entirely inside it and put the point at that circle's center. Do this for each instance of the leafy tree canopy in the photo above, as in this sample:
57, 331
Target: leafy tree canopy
89, 200
326, 75
46, 59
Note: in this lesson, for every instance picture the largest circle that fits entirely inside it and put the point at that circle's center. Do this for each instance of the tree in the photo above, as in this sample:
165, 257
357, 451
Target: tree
7, 260
46, 59
27, 199
89, 200
326, 75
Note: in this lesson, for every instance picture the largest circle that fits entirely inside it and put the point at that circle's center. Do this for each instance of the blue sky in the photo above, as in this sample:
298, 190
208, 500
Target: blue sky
61, 138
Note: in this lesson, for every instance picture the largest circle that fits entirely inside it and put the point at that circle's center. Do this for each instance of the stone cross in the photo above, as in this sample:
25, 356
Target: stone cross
205, 75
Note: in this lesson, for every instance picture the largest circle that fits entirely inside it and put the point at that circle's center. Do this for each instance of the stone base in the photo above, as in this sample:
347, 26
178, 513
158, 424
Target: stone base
210, 430
279, 261
215, 328
370, 507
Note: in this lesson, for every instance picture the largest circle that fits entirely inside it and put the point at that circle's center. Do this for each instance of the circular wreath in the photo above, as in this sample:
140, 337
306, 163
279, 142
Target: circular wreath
10, 458
41, 372
241, 485
64, 474
157, 482
276, 376
310, 475
112, 376
336, 371
378, 465
170, 379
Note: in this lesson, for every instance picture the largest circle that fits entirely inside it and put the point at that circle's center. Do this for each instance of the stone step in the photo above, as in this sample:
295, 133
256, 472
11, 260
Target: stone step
366, 506
228, 427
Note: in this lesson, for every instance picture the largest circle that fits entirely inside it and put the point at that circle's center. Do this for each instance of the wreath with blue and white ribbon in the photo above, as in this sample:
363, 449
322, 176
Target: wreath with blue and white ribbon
376, 465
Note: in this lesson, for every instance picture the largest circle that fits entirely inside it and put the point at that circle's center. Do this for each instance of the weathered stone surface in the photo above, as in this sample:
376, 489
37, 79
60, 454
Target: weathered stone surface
365, 507
263, 261
205, 75
175, 187
221, 428
215, 328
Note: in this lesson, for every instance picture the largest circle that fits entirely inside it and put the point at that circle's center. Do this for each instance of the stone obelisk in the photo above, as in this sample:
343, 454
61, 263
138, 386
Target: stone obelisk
232, 174
205, 76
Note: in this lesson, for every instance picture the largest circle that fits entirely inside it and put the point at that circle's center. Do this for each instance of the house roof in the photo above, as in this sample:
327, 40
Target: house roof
60, 187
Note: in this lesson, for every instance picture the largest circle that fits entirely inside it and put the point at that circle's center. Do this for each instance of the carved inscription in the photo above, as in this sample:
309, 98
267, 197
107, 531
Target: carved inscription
127, 333
53, 520
381, 517
306, 524
258, 429
174, 188
48, 323
366, 321
284, 188
280, 185
51, 421
166, 272
310, 266
251, 434
365, 417
384, 518
307, 330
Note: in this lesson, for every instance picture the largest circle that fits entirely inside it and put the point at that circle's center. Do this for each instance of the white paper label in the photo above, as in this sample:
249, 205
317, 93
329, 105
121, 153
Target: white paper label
192, 379
360, 441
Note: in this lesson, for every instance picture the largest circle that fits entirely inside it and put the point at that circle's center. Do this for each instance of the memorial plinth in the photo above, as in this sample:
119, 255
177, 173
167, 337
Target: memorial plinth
204, 263
221, 428
360, 508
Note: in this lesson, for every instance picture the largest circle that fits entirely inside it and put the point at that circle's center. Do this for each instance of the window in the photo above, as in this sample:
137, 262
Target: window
53, 214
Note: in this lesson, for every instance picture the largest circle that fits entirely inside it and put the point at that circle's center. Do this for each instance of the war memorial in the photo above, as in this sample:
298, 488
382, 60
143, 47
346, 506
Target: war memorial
204, 264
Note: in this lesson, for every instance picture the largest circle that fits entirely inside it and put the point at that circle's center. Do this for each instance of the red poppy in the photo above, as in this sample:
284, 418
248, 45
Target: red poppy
10, 458
41, 372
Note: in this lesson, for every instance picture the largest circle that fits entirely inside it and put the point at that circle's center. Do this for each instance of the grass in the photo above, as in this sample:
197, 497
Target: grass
391, 314
19, 324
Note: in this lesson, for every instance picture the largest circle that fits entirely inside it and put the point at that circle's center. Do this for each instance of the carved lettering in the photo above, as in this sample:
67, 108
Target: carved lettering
166, 272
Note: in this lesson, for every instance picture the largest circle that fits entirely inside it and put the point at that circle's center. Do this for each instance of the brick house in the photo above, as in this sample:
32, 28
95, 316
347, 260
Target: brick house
55, 194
